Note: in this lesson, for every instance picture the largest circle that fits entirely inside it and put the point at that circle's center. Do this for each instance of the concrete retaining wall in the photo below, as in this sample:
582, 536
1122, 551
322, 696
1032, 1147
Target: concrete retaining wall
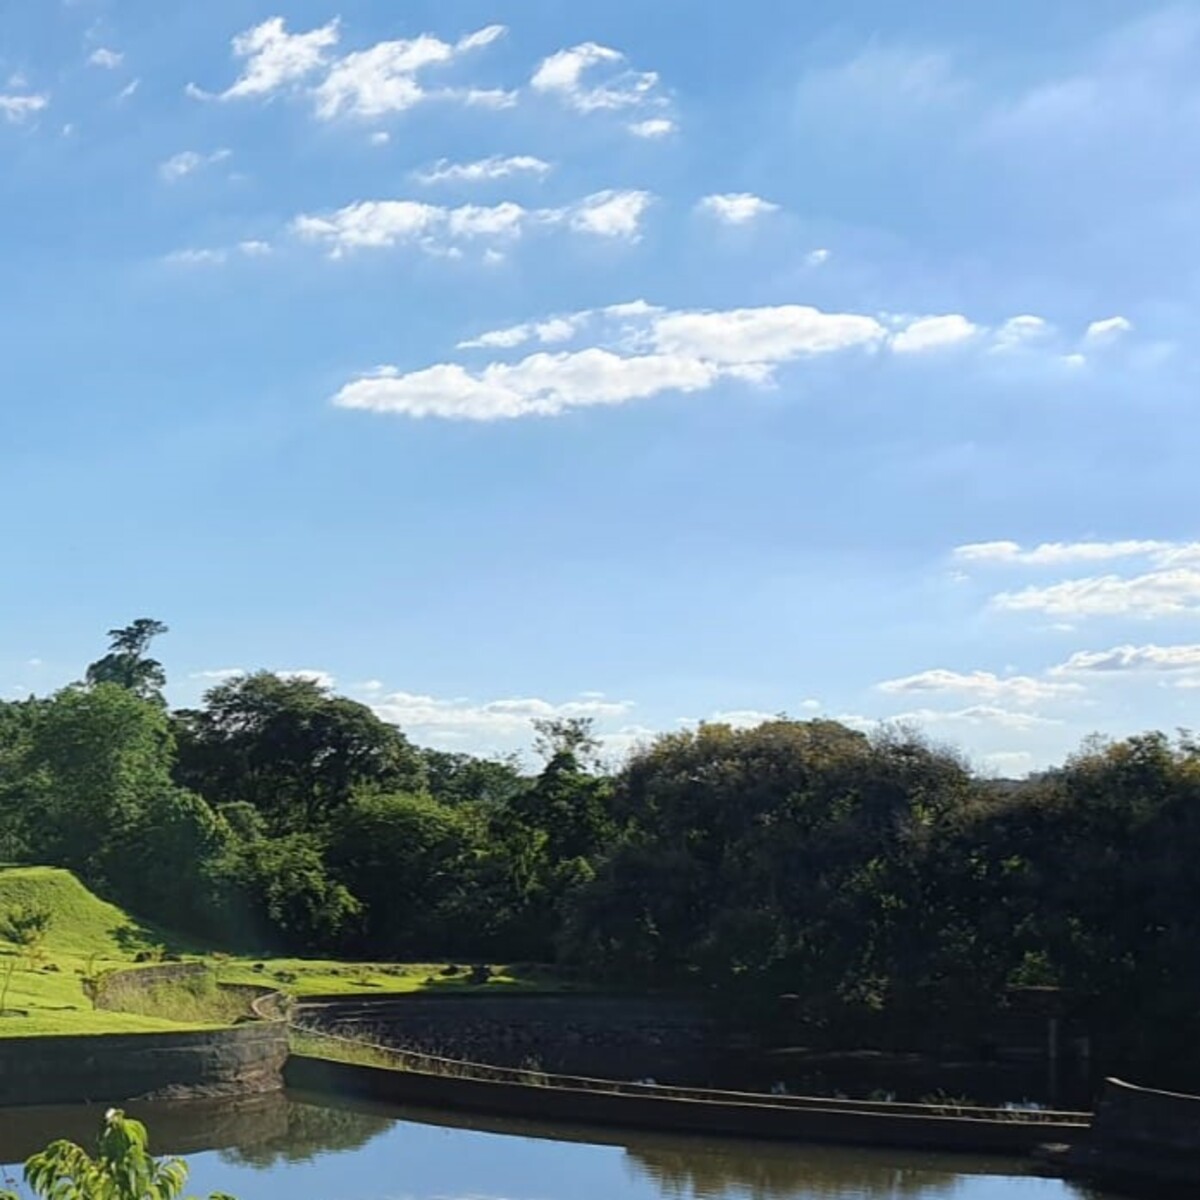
609, 1036
762, 1120
119, 1067
1141, 1139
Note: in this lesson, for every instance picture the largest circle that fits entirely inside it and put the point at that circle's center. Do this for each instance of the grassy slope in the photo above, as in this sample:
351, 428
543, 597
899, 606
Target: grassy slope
49, 999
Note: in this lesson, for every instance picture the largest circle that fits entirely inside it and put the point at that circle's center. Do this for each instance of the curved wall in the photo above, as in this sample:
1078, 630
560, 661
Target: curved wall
119, 1067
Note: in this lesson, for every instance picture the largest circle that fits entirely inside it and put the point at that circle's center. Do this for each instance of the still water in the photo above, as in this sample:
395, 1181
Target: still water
303, 1148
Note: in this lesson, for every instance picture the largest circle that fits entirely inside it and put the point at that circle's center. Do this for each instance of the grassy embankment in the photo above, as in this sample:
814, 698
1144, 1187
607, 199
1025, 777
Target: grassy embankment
88, 936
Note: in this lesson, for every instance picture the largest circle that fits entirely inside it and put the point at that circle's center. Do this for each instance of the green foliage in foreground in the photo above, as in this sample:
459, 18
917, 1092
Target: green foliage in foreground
122, 1168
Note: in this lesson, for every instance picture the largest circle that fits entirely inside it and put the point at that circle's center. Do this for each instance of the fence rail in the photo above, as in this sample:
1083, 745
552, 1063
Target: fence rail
432, 1064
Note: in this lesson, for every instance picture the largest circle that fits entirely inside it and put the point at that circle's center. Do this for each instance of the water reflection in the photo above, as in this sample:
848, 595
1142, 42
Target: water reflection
310, 1131
769, 1173
283, 1147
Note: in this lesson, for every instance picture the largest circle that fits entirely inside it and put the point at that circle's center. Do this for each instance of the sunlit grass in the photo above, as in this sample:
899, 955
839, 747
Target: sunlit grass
87, 935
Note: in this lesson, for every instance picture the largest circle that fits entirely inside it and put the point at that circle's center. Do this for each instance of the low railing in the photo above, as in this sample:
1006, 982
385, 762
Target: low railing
356, 1048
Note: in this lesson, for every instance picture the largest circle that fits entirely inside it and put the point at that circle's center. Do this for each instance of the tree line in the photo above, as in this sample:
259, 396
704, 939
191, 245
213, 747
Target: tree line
862, 873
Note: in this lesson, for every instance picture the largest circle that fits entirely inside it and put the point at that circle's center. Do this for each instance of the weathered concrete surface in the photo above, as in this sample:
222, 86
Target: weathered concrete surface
245, 1059
614, 1037
1141, 1137
734, 1116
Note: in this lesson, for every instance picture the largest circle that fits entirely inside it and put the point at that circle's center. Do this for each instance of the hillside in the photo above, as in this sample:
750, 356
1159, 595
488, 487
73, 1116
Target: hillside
85, 933
90, 934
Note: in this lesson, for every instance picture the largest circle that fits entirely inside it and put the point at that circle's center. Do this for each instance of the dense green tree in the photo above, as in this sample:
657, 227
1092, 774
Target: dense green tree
408, 859
462, 778
97, 757
290, 748
787, 856
278, 894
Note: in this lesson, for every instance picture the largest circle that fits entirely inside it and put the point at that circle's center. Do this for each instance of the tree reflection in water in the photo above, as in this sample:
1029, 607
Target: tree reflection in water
761, 1172
311, 1130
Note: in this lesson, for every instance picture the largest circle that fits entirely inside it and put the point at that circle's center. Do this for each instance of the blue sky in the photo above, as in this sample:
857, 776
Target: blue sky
648, 362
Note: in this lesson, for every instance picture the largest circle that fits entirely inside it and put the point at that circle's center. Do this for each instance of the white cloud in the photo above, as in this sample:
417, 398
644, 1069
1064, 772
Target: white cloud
563, 75
483, 170
612, 214
505, 720
219, 674
376, 224
481, 97
816, 258
1132, 659
763, 335
274, 58
737, 208
640, 351
380, 137
976, 715
1108, 330
384, 78
559, 328
653, 127
186, 162
933, 333
18, 108
193, 257
1018, 332
217, 255
1015, 689
128, 90
106, 58
540, 385
322, 679
1049, 554
1168, 592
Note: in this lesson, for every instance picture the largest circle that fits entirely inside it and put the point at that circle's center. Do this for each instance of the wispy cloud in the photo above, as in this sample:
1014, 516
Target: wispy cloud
1016, 689
1165, 593
934, 333
653, 127
274, 59
381, 79
215, 256
381, 224
384, 78
187, 162
1128, 659
1057, 554
590, 77
483, 170
737, 208
634, 352
502, 721
1108, 329
19, 107
105, 58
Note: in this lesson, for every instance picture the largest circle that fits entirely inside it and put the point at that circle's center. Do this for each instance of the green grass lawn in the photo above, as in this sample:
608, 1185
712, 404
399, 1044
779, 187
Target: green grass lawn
322, 977
89, 934
85, 933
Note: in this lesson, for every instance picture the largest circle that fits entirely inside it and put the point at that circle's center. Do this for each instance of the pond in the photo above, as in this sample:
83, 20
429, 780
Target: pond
305, 1148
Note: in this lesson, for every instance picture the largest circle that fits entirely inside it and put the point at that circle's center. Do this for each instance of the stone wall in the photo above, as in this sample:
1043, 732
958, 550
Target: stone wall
613, 1037
119, 1067
119, 985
